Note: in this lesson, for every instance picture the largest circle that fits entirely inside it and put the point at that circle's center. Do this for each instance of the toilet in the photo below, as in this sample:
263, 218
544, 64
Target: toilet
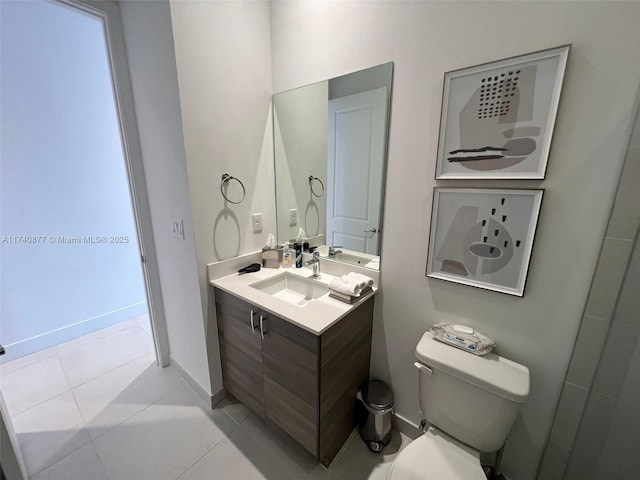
470, 402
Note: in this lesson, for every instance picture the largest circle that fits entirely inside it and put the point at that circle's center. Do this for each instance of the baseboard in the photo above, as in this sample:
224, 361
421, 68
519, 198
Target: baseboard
69, 332
218, 397
210, 399
405, 427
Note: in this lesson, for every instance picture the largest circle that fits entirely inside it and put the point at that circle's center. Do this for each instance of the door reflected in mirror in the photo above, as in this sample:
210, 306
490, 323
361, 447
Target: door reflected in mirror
330, 150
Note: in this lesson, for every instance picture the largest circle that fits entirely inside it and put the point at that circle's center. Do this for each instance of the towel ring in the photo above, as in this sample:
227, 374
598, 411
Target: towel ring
311, 180
226, 178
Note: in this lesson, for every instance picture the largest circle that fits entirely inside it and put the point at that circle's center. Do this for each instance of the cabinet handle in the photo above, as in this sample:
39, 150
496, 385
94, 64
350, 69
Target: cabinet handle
262, 329
253, 327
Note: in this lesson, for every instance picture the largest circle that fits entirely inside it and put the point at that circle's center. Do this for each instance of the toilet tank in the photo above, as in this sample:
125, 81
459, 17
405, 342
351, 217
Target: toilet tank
475, 399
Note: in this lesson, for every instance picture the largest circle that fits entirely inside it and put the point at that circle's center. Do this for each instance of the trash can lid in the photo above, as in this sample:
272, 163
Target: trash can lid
377, 394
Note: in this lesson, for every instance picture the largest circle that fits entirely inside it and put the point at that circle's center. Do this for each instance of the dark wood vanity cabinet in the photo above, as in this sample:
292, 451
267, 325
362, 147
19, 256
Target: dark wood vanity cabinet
304, 384
241, 351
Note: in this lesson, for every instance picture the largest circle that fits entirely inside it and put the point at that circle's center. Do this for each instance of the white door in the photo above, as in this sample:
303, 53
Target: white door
355, 158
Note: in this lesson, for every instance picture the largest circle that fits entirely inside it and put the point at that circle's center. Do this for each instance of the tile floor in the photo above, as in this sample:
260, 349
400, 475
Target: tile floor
98, 408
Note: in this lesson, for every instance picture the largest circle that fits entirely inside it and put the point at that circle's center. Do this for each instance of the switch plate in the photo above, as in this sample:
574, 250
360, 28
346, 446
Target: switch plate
257, 222
177, 228
293, 217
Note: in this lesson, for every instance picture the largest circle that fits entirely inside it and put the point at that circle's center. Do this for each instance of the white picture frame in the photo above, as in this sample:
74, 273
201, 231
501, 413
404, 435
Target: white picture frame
483, 237
498, 118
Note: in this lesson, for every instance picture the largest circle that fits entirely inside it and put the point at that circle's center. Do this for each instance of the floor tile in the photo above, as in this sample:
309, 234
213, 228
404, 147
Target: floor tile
33, 384
90, 360
110, 399
236, 458
26, 360
235, 409
49, 432
83, 464
294, 460
70, 345
144, 323
164, 440
357, 462
146, 328
147, 423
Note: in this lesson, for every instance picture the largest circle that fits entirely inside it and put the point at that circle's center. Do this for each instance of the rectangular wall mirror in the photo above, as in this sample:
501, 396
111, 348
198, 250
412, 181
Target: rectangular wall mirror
330, 150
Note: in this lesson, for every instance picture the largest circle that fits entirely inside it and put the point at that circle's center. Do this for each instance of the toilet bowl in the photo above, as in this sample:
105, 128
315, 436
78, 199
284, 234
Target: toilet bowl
471, 403
437, 456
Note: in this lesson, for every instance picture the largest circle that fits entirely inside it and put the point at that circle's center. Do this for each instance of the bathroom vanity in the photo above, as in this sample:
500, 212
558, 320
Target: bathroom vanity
290, 353
293, 355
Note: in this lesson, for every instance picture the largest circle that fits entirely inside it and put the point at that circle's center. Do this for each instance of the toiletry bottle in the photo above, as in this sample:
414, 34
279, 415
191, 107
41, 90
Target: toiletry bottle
298, 249
287, 259
305, 245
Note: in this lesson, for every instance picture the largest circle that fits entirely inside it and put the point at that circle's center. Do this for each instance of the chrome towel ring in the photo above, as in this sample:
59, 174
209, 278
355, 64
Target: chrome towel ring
226, 178
315, 179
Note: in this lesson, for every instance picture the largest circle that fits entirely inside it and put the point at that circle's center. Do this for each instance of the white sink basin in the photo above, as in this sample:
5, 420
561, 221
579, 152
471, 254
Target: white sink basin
351, 259
293, 289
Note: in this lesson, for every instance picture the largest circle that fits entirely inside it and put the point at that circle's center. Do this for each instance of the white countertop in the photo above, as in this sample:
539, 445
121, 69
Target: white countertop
316, 317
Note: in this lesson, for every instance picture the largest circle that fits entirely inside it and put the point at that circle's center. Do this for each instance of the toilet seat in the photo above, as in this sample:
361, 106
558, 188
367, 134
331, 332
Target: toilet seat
437, 456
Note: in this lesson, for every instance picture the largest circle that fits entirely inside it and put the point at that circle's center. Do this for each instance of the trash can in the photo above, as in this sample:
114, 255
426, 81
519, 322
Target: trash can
375, 423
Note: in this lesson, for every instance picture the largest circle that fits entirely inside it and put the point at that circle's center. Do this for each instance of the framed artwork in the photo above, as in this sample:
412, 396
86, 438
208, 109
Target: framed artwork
483, 237
498, 118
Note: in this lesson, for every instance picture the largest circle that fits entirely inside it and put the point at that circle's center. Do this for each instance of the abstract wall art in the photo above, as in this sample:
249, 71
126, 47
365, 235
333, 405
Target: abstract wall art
483, 237
497, 118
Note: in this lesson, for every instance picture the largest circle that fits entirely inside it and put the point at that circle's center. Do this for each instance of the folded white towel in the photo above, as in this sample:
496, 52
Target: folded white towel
349, 279
346, 287
361, 279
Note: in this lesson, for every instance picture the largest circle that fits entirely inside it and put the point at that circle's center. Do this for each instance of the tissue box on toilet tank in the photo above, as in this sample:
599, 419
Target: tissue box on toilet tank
271, 257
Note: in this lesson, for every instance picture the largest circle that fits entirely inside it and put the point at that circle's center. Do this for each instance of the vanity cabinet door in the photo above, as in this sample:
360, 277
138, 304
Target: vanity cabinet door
290, 366
240, 351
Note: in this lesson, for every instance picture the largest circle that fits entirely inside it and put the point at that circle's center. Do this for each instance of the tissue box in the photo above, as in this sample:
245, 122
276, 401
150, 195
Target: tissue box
271, 257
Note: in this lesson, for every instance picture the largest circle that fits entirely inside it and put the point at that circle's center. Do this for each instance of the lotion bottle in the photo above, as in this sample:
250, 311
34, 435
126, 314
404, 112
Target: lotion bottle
287, 257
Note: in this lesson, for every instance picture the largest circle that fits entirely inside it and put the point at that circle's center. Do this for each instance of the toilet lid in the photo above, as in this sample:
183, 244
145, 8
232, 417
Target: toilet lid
437, 456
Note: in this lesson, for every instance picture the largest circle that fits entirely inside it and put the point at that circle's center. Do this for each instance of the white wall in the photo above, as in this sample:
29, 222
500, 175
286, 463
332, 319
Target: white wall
314, 40
149, 41
223, 58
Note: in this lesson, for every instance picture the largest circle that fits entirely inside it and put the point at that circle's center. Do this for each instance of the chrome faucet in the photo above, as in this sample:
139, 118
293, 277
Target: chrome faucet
333, 251
315, 261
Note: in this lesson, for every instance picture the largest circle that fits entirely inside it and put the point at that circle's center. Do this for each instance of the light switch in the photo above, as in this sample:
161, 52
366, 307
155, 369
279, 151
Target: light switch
177, 228
257, 222
293, 217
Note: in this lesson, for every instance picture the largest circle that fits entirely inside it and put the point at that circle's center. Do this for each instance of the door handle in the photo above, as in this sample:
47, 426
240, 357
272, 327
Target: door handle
371, 230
